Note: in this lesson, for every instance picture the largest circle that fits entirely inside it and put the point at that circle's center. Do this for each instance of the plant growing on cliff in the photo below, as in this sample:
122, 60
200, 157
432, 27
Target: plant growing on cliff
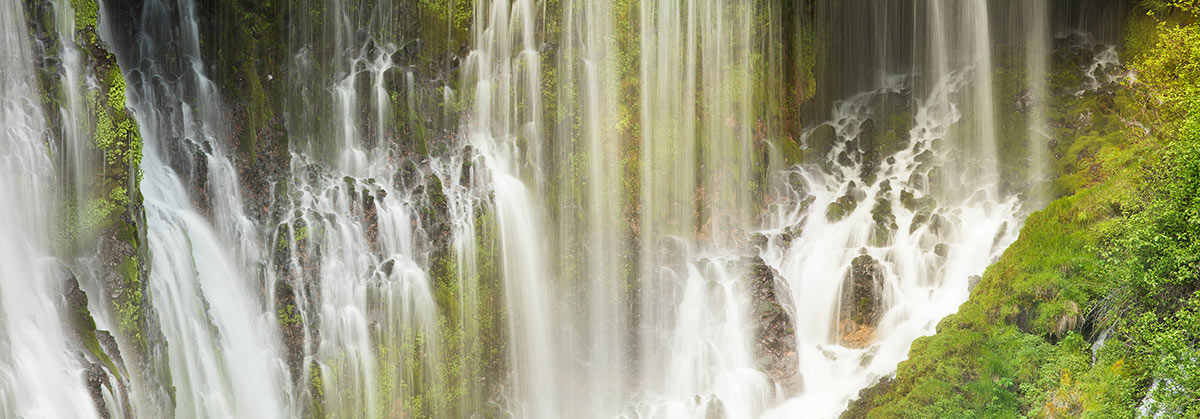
1122, 245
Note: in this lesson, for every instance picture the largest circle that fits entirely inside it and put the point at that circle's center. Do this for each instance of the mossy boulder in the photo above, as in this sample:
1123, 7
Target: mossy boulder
840, 208
862, 301
820, 140
884, 227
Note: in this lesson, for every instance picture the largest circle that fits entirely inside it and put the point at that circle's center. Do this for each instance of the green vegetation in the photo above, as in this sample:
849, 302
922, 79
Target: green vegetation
1115, 257
128, 305
116, 132
86, 12
288, 316
84, 326
117, 139
317, 390
105, 210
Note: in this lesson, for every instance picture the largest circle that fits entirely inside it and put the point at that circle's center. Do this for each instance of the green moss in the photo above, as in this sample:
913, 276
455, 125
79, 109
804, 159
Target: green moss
317, 390
116, 90
288, 316
1116, 254
128, 305
840, 208
85, 327
86, 12
459, 13
116, 133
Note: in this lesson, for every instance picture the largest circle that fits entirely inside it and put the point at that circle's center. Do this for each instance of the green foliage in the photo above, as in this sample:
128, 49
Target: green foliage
288, 316
1121, 248
317, 389
1172, 68
1156, 261
128, 305
86, 12
1161, 7
1159, 255
116, 134
457, 13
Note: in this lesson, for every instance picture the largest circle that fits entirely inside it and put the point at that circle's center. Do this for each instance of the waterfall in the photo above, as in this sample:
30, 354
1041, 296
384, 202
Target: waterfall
984, 110
40, 375
1037, 51
935, 243
223, 351
505, 68
76, 155
590, 208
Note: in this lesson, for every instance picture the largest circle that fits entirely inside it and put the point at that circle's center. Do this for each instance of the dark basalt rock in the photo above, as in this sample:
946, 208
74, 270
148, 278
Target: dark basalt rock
291, 325
302, 241
885, 223
942, 249
95, 380
101, 357
434, 212
821, 139
845, 159
775, 336
792, 232
972, 282
371, 219
841, 207
264, 171
862, 303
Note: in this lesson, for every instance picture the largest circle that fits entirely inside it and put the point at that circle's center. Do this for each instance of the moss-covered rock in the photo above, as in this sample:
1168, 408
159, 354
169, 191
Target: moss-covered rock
862, 301
1051, 329
98, 345
841, 207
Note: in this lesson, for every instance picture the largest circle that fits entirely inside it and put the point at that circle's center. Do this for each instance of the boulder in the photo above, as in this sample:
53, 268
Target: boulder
775, 334
715, 409
840, 208
371, 219
973, 281
100, 356
942, 249
862, 301
820, 139
885, 223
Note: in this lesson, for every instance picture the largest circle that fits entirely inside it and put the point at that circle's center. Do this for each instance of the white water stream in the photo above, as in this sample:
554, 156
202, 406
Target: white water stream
921, 285
610, 238
40, 375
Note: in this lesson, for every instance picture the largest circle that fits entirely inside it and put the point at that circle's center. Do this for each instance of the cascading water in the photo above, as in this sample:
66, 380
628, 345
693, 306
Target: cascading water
502, 65
1037, 51
222, 351
40, 376
598, 223
920, 267
77, 156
